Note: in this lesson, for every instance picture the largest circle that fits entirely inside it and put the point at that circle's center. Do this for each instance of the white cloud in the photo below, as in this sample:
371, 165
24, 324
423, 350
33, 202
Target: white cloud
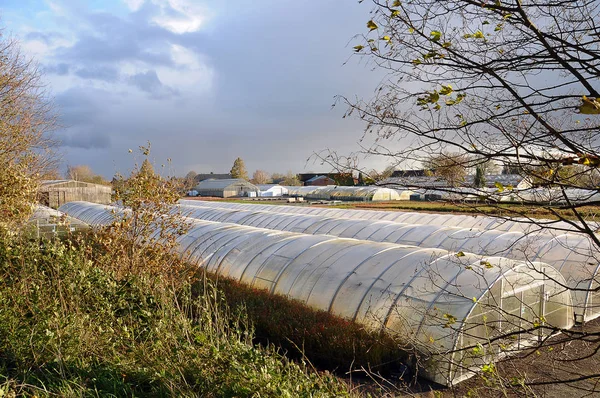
192, 73
180, 16
134, 5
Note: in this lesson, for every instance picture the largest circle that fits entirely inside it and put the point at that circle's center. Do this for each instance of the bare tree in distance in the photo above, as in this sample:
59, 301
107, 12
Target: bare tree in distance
84, 173
451, 167
261, 177
291, 179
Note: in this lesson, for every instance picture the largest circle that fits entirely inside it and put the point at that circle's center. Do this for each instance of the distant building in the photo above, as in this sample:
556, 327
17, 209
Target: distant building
55, 193
226, 188
338, 178
320, 181
271, 190
211, 176
410, 173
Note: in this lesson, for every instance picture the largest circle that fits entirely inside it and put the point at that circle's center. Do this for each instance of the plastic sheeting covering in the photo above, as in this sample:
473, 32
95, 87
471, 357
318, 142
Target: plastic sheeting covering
574, 255
50, 216
441, 303
337, 192
465, 221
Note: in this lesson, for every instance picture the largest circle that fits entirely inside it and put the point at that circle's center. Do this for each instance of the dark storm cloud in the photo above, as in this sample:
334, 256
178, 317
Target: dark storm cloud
80, 139
286, 58
111, 39
276, 70
105, 73
150, 83
61, 69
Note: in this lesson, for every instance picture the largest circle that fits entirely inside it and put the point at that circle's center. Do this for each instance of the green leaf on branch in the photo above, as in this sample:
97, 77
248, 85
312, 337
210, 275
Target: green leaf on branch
478, 350
436, 35
450, 320
358, 48
371, 25
499, 186
589, 106
430, 54
446, 90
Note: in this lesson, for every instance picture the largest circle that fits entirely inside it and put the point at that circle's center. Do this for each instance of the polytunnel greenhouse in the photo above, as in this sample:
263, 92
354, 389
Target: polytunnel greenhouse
47, 222
465, 221
571, 254
441, 303
348, 194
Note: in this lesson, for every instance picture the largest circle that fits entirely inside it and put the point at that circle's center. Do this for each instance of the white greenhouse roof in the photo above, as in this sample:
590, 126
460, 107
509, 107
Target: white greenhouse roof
333, 192
266, 187
408, 291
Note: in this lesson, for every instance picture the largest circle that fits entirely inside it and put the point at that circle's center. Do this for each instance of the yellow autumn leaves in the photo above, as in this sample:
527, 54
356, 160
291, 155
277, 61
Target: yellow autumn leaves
589, 106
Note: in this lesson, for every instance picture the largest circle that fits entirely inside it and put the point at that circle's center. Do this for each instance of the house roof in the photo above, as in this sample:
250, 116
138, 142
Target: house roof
49, 183
211, 176
316, 178
223, 184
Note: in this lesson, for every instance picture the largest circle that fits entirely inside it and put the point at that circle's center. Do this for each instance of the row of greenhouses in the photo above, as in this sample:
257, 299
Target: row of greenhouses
466, 221
350, 194
574, 255
440, 302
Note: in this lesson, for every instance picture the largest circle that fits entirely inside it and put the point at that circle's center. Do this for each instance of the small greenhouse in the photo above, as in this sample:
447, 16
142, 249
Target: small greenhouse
573, 255
304, 191
46, 221
271, 190
441, 303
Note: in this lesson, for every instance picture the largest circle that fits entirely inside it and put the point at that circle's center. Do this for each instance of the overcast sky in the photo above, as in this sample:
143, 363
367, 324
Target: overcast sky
204, 81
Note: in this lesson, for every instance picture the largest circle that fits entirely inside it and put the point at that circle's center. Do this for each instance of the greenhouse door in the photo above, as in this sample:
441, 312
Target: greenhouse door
524, 308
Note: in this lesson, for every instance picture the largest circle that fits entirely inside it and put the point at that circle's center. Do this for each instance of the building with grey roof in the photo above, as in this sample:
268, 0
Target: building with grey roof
226, 188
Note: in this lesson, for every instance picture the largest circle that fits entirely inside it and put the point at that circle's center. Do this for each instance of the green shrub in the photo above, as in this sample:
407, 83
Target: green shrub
71, 325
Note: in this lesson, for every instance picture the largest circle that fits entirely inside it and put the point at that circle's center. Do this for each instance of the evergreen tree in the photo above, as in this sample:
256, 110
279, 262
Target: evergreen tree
479, 180
239, 170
